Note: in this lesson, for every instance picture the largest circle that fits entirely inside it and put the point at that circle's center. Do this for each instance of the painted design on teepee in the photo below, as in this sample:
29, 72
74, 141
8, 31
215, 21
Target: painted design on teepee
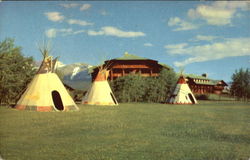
182, 93
46, 92
100, 92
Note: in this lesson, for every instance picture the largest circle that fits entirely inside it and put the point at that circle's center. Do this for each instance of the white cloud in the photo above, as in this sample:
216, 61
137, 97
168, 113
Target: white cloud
95, 33
174, 21
112, 31
85, 7
79, 31
57, 17
181, 24
53, 32
205, 38
54, 16
176, 48
148, 44
218, 13
79, 22
70, 5
228, 48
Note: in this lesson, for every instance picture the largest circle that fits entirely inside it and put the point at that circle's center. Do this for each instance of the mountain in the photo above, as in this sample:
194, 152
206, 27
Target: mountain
76, 75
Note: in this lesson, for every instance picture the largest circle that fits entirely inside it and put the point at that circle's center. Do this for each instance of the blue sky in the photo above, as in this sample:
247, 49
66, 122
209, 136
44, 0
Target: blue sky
201, 37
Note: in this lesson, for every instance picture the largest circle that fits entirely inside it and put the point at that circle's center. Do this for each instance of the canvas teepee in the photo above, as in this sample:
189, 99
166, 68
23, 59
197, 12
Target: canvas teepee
182, 93
46, 91
100, 92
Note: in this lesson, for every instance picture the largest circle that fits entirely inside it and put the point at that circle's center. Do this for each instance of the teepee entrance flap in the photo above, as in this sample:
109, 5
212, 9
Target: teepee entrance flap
113, 97
191, 98
57, 100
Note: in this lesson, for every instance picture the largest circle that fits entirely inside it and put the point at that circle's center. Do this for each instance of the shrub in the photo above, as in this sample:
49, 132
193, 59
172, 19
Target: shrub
135, 88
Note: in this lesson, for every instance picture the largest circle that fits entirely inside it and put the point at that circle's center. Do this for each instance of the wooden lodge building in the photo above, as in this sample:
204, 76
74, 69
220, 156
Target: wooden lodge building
203, 85
129, 63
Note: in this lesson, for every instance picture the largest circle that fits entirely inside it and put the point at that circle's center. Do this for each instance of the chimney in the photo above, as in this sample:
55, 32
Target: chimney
204, 75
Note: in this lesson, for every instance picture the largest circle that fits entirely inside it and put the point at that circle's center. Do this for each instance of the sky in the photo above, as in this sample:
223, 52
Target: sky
210, 37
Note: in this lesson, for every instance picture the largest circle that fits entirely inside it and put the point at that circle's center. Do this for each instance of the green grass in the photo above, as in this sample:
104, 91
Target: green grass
221, 97
211, 130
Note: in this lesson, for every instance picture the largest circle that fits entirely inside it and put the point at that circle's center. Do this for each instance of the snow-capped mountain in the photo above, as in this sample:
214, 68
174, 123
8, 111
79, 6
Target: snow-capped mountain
75, 71
76, 75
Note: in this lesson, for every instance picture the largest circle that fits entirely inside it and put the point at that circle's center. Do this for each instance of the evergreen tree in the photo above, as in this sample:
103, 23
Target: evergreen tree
16, 71
241, 84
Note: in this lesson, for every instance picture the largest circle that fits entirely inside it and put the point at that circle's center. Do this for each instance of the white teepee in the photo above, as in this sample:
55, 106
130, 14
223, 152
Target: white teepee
100, 92
46, 91
182, 93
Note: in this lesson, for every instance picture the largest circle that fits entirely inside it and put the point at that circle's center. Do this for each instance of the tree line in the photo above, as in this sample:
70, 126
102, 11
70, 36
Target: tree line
16, 71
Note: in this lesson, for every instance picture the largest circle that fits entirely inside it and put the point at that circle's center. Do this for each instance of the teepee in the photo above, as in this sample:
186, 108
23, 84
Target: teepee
100, 92
182, 93
46, 92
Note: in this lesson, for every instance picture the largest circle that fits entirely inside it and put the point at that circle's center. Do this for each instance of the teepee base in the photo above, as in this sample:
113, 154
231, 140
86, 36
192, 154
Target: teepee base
45, 108
100, 103
180, 103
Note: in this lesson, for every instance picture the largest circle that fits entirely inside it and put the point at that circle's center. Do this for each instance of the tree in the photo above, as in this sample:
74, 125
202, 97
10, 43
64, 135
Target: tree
16, 71
135, 88
167, 81
241, 84
129, 88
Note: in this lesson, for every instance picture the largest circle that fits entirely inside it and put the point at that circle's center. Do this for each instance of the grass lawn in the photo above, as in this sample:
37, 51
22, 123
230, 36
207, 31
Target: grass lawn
210, 130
